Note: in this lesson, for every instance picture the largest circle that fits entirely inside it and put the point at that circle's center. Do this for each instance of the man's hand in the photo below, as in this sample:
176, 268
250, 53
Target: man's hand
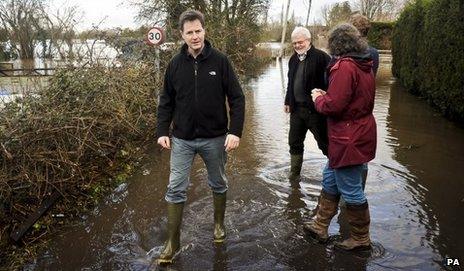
286, 108
165, 142
232, 142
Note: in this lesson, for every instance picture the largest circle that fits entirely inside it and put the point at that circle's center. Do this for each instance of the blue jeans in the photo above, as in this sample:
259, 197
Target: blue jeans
213, 153
345, 181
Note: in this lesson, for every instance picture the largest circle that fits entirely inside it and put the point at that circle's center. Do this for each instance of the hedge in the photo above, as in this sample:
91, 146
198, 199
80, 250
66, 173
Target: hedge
428, 53
380, 35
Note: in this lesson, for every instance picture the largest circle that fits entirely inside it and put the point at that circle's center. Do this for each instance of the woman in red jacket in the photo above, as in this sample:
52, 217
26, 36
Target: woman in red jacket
348, 104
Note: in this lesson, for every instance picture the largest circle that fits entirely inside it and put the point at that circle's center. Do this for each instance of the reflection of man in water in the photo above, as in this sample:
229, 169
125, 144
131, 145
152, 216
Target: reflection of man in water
197, 82
306, 70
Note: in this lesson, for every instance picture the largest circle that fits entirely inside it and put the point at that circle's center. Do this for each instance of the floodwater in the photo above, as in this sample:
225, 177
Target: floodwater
414, 189
17, 86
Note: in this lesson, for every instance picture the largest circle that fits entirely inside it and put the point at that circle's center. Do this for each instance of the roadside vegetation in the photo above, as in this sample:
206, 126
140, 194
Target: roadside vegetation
428, 54
79, 137
84, 132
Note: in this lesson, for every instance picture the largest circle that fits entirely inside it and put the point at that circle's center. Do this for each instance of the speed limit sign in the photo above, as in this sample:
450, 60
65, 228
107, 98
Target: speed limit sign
155, 36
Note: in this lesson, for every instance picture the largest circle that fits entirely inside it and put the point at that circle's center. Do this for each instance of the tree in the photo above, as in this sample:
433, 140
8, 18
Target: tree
309, 11
336, 13
379, 9
22, 19
58, 29
25, 23
231, 25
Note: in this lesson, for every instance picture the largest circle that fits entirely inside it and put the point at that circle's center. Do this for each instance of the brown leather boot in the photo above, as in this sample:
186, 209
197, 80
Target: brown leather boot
326, 210
219, 213
359, 220
296, 162
172, 245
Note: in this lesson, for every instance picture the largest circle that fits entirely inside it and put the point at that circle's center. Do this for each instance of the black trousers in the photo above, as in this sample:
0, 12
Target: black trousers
303, 119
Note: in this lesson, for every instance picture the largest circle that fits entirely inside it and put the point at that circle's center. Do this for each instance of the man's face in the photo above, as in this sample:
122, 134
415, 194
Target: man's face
194, 35
300, 44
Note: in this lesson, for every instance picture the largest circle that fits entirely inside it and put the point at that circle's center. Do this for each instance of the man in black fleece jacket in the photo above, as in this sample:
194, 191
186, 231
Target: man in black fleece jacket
307, 67
196, 84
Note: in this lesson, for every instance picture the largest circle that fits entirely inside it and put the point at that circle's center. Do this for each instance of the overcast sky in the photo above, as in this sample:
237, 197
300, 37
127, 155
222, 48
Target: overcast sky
114, 13
300, 8
117, 13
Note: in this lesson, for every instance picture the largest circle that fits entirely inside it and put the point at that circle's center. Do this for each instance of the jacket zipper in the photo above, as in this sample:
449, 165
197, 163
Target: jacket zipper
195, 67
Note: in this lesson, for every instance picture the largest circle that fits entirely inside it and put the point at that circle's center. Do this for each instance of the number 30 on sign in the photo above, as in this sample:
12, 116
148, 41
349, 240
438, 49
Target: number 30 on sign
155, 36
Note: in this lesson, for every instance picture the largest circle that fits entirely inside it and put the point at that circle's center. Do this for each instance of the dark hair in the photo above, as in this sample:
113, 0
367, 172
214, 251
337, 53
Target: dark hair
344, 39
191, 15
361, 23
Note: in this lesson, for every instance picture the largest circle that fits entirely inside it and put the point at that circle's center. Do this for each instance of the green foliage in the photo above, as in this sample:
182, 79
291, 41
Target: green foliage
428, 53
85, 127
336, 13
3, 35
379, 35
21, 21
232, 27
273, 31
442, 57
4, 55
407, 35
340, 12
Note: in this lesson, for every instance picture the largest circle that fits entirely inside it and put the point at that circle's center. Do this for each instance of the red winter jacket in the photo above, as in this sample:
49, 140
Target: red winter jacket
348, 104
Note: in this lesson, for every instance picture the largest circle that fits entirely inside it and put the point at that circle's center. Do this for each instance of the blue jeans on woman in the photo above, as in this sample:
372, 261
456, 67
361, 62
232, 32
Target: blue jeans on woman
183, 152
345, 181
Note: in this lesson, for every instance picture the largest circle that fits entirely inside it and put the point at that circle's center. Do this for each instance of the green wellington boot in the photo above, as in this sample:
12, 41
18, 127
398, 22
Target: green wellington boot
219, 212
296, 161
172, 245
326, 210
359, 219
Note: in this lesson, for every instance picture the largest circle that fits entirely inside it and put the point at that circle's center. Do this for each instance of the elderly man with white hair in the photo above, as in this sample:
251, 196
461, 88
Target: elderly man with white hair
307, 67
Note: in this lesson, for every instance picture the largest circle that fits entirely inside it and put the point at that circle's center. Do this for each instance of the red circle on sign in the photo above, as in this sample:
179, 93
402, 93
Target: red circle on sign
155, 36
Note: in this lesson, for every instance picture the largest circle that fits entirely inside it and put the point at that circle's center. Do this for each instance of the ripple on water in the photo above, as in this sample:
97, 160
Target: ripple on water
398, 212
265, 211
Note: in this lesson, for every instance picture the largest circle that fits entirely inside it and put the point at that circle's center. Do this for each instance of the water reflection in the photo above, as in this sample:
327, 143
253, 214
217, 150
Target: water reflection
280, 63
431, 148
413, 190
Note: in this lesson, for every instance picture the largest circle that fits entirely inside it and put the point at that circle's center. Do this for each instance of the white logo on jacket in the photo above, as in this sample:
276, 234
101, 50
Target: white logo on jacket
212, 73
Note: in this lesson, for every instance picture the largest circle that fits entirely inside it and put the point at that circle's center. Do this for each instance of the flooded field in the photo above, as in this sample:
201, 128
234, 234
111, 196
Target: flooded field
414, 189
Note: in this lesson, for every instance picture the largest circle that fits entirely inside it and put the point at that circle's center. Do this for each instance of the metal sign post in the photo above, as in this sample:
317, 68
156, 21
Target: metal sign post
155, 37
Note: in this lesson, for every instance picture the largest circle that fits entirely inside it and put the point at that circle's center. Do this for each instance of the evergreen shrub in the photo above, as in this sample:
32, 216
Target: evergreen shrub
428, 53
380, 35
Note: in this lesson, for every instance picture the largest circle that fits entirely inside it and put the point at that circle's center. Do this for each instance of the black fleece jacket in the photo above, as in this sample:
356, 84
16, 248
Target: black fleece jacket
314, 72
194, 96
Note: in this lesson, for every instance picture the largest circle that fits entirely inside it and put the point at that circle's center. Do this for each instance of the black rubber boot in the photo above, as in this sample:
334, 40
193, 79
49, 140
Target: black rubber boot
172, 245
296, 161
219, 213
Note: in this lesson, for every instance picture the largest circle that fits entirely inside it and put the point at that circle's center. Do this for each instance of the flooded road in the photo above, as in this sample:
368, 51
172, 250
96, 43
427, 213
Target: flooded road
414, 190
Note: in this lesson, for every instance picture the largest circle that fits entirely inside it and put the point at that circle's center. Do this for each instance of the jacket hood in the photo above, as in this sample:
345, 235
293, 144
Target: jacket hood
363, 61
